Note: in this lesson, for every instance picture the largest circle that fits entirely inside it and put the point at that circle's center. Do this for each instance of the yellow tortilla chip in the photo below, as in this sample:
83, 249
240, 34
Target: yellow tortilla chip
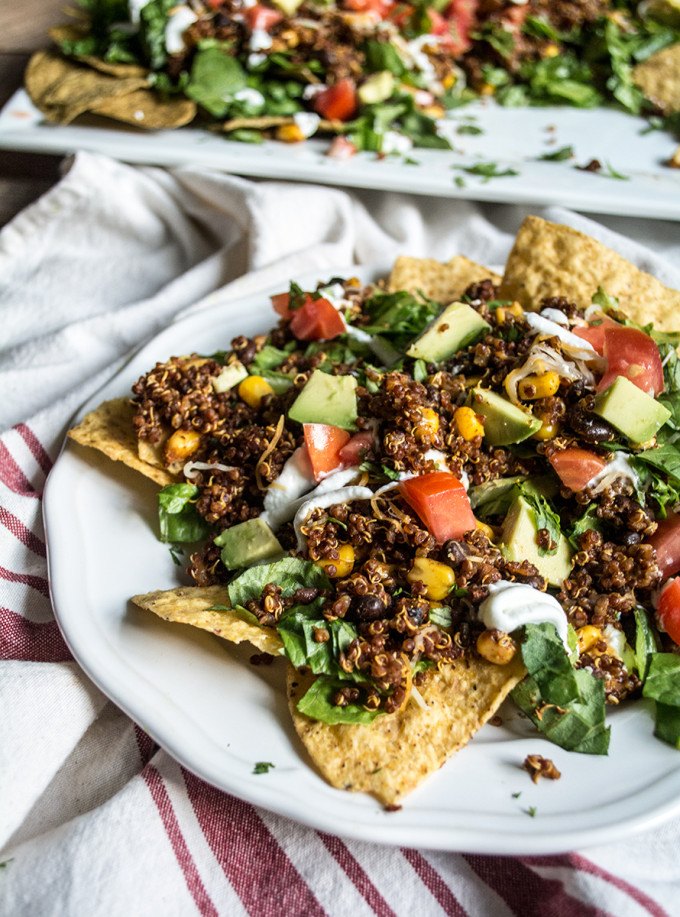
194, 605
549, 259
262, 123
147, 109
659, 78
62, 89
109, 429
392, 755
442, 282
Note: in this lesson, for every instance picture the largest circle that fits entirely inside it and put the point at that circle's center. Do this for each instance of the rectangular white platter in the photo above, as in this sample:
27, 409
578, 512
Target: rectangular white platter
513, 138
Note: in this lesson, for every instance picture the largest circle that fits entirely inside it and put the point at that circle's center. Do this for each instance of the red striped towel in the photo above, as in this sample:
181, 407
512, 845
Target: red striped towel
94, 818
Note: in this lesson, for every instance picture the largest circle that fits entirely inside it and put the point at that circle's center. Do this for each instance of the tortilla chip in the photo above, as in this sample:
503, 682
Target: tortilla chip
192, 605
109, 429
549, 259
147, 109
262, 123
659, 78
62, 89
442, 282
391, 756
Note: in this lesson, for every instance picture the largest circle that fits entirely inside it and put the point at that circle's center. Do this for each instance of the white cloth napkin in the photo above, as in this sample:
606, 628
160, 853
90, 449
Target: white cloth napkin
94, 819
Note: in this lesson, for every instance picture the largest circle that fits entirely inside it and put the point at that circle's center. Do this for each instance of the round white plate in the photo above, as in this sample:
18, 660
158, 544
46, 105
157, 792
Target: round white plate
201, 700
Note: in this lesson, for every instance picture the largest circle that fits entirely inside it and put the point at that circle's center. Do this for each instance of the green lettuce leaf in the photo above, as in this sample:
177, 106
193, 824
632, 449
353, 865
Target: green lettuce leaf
153, 18
317, 704
290, 574
215, 78
663, 679
399, 316
177, 516
668, 724
646, 642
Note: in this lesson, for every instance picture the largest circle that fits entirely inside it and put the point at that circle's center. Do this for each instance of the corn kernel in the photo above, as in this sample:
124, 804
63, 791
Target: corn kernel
542, 386
515, 309
487, 90
588, 636
428, 425
449, 80
289, 133
547, 431
496, 646
550, 50
181, 445
253, 389
468, 423
342, 566
434, 111
485, 529
500, 315
437, 578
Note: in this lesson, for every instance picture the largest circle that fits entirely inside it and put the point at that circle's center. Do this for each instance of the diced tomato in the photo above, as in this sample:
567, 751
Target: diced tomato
281, 303
338, 102
438, 25
594, 334
461, 14
316, 320
262, 17
341, 148
666, 541
441, 502
400, 14
379, 7
324, 444
575, 467
633, 354
214, 4
668, 609
355, 451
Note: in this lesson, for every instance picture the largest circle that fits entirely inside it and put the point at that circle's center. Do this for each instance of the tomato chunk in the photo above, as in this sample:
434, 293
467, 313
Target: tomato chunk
633, 354
575, 467
668, 610
441, 502
324, 444
338, 102
379, 7
341, 148
666, 541
281, 304
262, 17
461, 15
594, 334
316, 320
354, 452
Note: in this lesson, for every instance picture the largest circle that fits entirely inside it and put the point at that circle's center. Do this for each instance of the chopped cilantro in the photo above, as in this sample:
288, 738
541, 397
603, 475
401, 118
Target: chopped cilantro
488, 170
564, 152
471, 130
531, 811
177, 555
517, 794
263, 767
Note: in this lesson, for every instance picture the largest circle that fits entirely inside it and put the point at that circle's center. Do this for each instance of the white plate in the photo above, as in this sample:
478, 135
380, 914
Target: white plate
512, 137
218, 715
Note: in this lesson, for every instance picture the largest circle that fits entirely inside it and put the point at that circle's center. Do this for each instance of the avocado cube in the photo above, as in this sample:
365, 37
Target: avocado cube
504, 422
456, 327
247, 543
377, 88
519, 542
327, 399
630, 410
229, 376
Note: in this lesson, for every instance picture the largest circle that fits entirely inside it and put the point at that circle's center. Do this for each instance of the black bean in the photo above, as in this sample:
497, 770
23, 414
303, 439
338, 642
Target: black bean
589, 426
367, 608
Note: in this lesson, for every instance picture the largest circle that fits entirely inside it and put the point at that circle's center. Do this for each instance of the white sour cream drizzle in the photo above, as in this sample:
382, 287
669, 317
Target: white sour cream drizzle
250, 96
323, 501
618, 467
181, 17
555, 315
307, 121
296, 478
512, 605
135, 7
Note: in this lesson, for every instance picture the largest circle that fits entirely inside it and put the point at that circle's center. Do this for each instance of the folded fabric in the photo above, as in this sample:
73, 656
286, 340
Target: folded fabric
94, 819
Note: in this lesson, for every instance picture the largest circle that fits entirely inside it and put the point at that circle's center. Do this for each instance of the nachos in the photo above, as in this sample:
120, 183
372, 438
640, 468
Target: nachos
428, 504
376, 74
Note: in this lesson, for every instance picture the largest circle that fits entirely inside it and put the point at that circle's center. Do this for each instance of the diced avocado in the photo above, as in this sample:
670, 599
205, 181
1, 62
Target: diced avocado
504, 422
287, 6
633, 412
230, 376
246, 543
377, 88
327, 399
519, 542
456, 327
493, 497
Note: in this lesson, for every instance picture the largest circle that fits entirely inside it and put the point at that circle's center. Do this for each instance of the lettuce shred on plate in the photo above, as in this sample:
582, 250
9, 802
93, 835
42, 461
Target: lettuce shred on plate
378, 74
396, 485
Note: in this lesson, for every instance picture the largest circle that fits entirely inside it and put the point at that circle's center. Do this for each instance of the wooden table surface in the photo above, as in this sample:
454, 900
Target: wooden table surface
23, 28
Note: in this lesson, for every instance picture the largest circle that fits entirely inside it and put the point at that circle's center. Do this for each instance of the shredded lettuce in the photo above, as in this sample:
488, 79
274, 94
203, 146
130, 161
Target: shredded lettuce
177, 517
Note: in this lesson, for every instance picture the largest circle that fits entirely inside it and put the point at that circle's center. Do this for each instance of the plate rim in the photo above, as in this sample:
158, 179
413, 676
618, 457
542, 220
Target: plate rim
265, 794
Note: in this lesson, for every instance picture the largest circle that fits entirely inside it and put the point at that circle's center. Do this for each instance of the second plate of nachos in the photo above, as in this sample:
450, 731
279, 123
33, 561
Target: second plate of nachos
422, 494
